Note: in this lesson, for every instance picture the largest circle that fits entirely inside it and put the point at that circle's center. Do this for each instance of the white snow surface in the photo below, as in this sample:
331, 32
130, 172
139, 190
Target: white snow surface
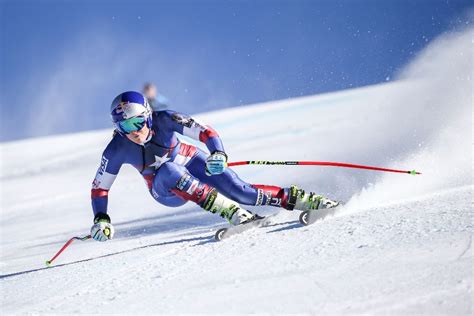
402, 244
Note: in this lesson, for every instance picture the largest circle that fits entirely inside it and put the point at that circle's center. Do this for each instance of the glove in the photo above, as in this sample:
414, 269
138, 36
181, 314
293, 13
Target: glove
216, 163
102, 230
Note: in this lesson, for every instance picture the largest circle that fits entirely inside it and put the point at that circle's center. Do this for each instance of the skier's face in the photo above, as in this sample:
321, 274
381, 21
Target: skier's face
139, 137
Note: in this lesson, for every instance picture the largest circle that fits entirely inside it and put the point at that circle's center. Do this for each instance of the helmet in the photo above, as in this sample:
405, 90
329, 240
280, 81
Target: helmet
130, 111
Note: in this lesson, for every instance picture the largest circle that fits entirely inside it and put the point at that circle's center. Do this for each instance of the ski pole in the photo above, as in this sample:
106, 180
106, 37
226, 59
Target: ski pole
48, 262
317, 163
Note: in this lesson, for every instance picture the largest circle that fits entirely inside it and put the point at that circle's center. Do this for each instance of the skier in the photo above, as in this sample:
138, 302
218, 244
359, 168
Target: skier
176, 173
156, 100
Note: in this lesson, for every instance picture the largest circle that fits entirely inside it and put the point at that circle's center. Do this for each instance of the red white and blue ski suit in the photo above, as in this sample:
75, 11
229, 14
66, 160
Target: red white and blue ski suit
174, 171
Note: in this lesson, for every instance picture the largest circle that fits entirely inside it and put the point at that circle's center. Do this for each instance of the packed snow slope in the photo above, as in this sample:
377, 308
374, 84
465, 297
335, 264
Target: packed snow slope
401, 245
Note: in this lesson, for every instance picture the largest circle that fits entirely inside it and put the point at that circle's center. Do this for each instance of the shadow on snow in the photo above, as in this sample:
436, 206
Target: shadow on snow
203, 240
137, 231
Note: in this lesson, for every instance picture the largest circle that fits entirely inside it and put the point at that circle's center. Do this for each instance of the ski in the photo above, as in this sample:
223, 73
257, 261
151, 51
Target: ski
311, 217
234, 230
305, 218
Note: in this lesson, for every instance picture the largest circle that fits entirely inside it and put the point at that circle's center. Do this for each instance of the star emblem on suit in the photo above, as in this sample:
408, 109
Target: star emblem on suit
159, 161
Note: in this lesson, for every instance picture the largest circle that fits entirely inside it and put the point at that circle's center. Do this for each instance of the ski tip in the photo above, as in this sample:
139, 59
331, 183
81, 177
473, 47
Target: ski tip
48, 263
220, 234
414, 172
304, 218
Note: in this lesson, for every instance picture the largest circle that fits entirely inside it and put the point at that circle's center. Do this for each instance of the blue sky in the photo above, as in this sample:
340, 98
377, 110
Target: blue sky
62, 62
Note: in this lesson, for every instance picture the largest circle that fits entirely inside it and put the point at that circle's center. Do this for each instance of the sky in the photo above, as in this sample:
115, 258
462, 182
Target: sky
63, 62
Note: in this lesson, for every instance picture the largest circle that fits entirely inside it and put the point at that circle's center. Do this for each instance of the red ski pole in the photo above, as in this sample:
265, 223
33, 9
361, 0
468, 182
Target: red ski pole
48, 262
318, 163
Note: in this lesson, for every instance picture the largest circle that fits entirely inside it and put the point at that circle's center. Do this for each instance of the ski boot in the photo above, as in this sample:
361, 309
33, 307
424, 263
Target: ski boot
217, 203
238, 217
307, 203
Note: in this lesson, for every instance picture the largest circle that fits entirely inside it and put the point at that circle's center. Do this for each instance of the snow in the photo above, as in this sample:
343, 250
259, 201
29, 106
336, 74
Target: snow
401, 245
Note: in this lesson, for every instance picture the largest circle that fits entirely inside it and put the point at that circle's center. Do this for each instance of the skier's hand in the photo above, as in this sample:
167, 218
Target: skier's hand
102, 230
216, 163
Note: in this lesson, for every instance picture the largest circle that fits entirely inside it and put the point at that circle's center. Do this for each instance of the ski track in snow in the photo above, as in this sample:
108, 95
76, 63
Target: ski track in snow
400, 244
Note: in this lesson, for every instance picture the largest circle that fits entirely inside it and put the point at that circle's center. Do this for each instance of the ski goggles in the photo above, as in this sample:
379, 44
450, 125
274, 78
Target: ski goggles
132, 124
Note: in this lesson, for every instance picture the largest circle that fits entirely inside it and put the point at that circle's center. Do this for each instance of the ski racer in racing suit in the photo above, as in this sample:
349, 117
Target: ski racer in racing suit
176, 172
